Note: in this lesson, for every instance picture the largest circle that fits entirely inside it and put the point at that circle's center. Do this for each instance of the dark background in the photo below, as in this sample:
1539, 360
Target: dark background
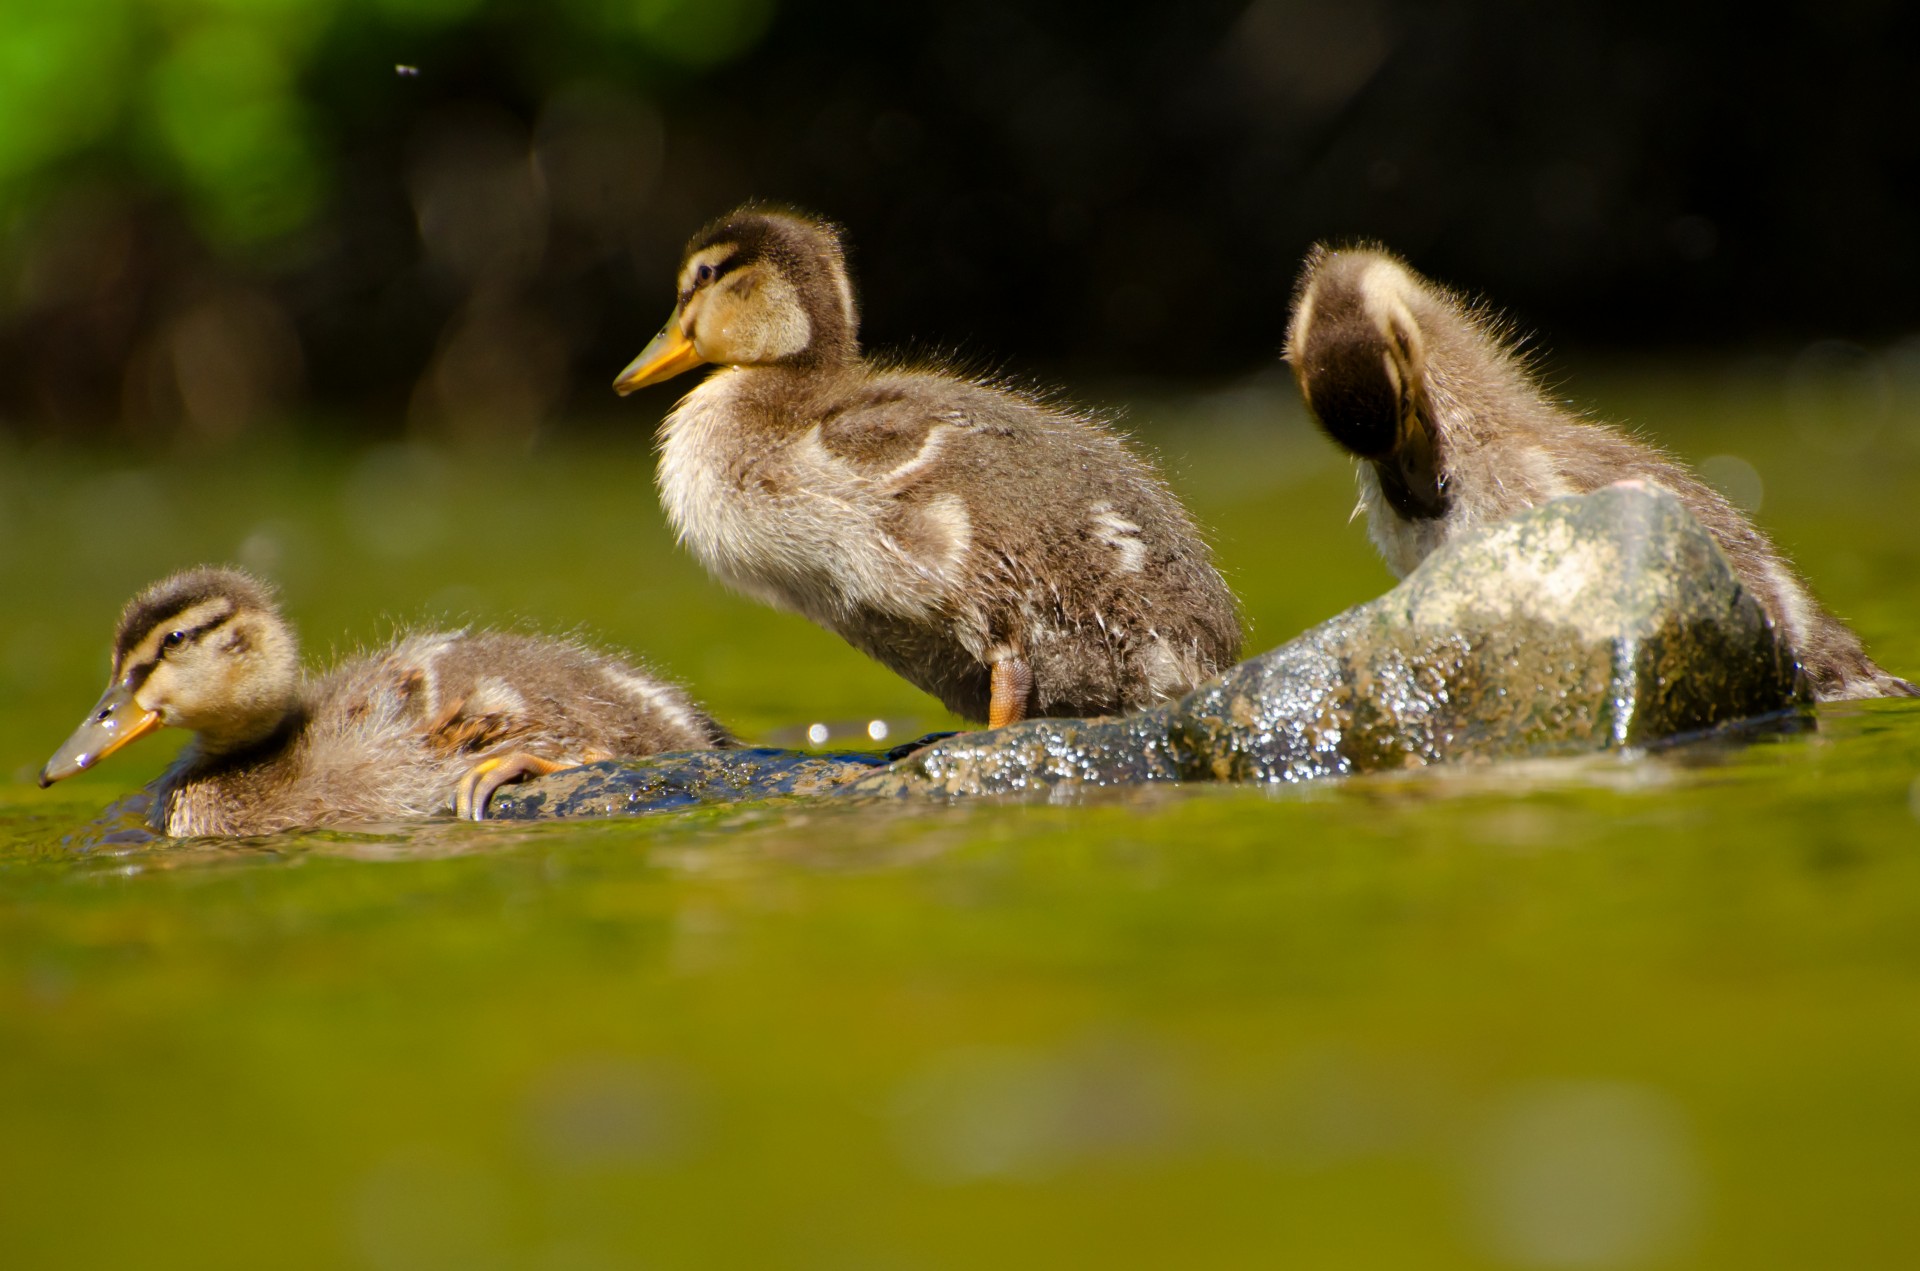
258, 217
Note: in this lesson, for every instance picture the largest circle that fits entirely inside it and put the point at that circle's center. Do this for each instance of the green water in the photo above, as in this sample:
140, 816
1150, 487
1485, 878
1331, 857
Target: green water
1632, 1011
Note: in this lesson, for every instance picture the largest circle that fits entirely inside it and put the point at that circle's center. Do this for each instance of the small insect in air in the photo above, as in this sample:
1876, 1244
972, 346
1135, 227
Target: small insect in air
404, 71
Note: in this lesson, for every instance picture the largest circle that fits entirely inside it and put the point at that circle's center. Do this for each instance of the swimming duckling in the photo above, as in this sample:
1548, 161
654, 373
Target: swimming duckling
437, 720
1008, 556
1412, 378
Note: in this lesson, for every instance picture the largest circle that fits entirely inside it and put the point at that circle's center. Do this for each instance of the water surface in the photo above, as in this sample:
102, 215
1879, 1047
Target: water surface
1643, 1010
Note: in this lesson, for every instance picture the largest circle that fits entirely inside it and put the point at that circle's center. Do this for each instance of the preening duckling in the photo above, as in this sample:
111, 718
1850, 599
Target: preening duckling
1007, 556
436, 721
1457, 434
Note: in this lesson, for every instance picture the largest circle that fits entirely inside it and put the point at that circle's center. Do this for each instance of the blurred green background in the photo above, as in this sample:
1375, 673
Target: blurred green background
465, 215
333, 289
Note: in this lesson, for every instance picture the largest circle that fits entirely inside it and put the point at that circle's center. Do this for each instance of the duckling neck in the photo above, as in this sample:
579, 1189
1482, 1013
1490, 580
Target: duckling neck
267, 725
832, 352
794, 390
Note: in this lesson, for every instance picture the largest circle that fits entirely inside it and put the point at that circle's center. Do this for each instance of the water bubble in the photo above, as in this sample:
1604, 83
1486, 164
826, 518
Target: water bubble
877, 730
1585, 1175
817, 734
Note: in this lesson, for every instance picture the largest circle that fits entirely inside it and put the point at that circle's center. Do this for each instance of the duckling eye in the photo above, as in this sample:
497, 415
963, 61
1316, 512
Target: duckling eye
174, 640
704, 274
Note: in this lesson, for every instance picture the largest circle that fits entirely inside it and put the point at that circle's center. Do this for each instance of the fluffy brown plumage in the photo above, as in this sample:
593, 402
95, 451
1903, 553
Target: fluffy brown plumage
1457, 434
1005, 555
434, 720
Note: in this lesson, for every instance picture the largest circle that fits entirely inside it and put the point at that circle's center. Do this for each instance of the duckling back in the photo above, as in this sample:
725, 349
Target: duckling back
388, 736
1083, 557
1455, 433
933, 522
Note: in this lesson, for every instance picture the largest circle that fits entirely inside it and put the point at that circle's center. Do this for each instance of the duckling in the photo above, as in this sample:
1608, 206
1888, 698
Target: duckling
436, 720
1006, 555
1456, 434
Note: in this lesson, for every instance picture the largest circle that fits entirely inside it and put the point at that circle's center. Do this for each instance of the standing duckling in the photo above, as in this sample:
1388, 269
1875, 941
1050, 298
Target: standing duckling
436, 721
1457, 435
1007, 556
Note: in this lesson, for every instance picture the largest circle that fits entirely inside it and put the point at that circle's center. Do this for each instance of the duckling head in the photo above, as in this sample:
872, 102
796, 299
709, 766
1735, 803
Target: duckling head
757, 288
1359, 351
205, 650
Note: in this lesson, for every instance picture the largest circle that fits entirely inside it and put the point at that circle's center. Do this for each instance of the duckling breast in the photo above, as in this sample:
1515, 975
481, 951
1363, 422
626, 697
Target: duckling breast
808, 516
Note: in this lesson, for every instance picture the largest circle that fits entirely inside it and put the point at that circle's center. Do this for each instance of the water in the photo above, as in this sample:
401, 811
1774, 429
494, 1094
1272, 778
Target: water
1628, 1011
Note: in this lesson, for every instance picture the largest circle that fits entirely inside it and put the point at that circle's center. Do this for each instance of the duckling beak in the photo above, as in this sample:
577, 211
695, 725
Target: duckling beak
667, 355
116, 720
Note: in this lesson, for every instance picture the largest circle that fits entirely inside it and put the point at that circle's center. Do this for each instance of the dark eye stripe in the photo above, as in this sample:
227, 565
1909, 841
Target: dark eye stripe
192, 634
136, 675
720, 269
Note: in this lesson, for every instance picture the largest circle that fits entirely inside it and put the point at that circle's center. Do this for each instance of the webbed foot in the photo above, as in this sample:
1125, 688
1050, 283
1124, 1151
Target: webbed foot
477, 787
1011, 686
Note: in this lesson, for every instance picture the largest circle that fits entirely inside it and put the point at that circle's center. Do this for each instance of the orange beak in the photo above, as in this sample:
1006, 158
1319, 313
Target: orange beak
666, 355
115, 721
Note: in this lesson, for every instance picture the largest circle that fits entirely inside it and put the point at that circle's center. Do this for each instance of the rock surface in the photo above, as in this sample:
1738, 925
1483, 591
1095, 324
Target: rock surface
1602, 621
693, 779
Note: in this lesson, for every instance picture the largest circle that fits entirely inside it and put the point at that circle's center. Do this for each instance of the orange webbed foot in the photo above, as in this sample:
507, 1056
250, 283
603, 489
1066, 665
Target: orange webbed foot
1011, 685
477, 787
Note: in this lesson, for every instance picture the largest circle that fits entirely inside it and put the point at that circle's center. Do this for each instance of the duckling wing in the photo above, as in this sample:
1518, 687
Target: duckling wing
865, 515
472, 694
1050, 531
886, 436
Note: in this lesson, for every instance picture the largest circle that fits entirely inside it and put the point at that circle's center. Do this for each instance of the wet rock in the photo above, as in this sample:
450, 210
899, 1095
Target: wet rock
1604, 621
689, 780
